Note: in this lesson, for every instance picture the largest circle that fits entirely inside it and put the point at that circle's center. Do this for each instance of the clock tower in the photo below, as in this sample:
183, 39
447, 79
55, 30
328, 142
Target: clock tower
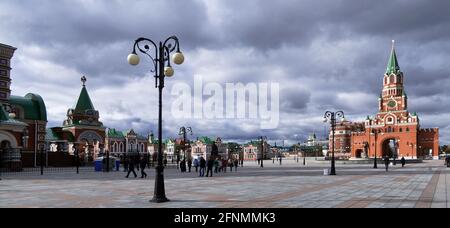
393, 97
394, 132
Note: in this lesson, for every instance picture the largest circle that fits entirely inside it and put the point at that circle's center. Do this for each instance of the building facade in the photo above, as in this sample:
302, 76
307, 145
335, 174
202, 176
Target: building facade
23, 120
202, 147
120, 143
394, 131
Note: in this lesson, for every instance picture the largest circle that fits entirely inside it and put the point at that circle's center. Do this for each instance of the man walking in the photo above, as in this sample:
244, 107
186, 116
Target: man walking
189, 164
386, 163
202, 164
131, 167
143, 164
210, 165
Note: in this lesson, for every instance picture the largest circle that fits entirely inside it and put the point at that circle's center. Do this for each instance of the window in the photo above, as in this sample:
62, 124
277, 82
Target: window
401, 129
407, 129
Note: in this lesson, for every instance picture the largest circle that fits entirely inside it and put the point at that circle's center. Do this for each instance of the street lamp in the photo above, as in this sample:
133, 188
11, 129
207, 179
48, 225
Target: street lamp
183, 132
331, 117
263, 138
162, 68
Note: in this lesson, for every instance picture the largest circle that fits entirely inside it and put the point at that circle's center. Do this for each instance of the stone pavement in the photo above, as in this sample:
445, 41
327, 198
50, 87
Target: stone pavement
274, 186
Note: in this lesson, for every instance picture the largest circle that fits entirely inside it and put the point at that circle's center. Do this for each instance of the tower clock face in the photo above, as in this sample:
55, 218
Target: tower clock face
392, 104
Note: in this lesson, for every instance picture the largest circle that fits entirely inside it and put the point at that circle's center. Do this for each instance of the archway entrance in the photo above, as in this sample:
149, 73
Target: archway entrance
359, 153
389, 148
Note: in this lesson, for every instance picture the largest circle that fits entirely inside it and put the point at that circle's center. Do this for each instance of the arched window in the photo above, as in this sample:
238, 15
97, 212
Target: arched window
401, 129
392, 79
407, 129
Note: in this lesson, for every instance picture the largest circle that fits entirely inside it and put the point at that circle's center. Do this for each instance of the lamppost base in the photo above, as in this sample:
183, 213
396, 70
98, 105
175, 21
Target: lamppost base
159, 200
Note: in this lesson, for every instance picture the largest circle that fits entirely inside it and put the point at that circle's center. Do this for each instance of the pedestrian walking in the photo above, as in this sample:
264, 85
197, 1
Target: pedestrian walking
131, 167
125, 164
403, 161
189, 164
224, 165
386, 163
231, 164
143, 166
281, 160
236, 164
196, 164
202, 164
183, 166
209, 166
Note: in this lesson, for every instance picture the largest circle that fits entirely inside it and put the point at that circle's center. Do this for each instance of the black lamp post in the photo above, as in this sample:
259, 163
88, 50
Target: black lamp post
375, 165
184, 131
331, 117
263, 138
162, 68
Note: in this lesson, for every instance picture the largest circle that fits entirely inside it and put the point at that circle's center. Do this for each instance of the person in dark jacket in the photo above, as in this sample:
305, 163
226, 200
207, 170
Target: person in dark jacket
202, 166
183, 166
386, 163
125, 164
143, 164
131, 167
209, 166
236, 164
403, 161
189, 164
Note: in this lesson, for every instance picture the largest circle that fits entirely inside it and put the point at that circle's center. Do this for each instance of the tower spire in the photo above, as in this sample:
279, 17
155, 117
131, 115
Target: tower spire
393, 66
83, 80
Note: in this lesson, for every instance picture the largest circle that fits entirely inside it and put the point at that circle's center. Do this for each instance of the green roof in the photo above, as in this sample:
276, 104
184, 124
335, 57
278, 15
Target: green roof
393, 66
32, 104
205, 140
50, 135
113, 133
84, 101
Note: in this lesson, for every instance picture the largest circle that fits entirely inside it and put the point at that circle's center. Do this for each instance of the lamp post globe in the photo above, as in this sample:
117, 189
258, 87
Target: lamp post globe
178, 58
133, 59
168, 71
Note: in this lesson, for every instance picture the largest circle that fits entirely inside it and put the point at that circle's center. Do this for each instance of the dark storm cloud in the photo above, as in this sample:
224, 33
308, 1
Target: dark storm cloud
328, 54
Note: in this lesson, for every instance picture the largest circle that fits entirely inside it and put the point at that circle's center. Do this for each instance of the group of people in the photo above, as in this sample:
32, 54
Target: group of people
135, 162
387, 162
217, 164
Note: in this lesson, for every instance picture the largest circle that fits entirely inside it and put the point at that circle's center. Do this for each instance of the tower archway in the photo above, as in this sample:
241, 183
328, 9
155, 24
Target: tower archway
389, 148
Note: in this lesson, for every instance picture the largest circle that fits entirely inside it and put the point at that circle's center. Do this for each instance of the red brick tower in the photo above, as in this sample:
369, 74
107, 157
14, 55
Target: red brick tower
394, 131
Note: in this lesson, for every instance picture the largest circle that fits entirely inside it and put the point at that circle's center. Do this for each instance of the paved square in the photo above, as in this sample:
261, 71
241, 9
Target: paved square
274, 186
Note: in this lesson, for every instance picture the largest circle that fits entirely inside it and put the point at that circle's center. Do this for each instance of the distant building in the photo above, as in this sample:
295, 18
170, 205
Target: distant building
126, 142
252, 150
202, 147
394, 131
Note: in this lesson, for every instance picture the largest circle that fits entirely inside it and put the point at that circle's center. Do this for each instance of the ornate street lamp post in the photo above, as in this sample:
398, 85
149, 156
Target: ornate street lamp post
183, 132
375, 165
162, 68
331, 117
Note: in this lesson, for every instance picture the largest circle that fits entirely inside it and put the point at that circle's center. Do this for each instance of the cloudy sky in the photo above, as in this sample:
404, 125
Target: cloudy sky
326, 55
